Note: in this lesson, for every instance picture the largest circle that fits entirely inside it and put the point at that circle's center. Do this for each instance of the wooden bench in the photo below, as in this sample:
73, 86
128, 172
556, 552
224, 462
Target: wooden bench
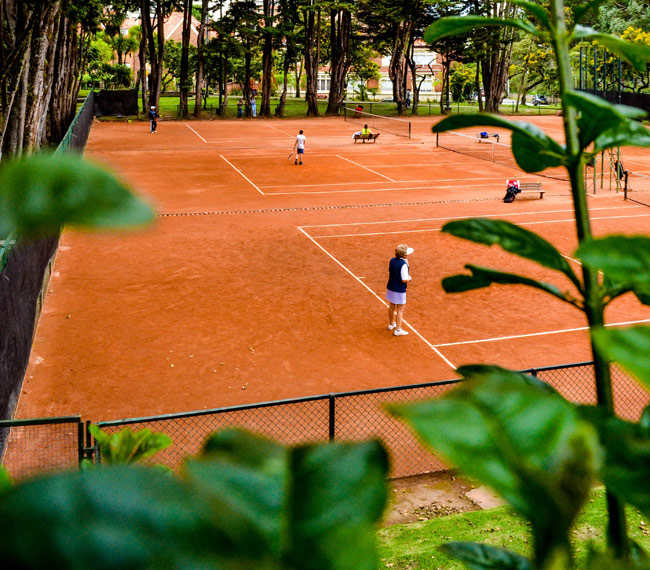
363, 138
531, 188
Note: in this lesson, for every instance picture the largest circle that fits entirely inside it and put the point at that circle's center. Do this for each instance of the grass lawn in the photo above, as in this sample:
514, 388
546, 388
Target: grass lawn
414, 546
295, 108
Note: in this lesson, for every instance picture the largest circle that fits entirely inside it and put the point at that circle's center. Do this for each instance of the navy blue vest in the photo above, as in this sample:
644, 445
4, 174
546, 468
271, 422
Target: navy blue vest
395, 282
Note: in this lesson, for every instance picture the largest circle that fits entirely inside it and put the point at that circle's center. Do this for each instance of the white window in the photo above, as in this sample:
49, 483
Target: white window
323, 83
424, 58
427, 86
386, 86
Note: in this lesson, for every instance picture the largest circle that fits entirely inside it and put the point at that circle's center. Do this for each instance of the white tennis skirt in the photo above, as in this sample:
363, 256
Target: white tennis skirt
395, 297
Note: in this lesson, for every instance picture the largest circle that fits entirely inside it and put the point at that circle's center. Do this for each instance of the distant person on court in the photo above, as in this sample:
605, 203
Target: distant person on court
152, 120
358, 111
253, 107
299, 147
398, 278
240, 108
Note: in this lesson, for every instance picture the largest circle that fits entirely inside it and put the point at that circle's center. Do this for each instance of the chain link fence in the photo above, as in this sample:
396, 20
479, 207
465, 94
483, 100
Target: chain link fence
349, 416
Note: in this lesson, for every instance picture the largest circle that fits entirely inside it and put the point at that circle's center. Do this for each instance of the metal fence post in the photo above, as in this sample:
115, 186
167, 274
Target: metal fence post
332, 417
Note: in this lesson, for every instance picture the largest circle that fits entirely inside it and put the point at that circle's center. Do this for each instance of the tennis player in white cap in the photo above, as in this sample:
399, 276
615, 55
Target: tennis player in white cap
398, 278
152, 119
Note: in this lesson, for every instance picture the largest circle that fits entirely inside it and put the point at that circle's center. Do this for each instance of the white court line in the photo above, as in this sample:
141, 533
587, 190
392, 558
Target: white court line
197, 134
464, 217
279, 130
499, 338
380, 189
377, 297
242, 174
368, 169
440, 229
375, 182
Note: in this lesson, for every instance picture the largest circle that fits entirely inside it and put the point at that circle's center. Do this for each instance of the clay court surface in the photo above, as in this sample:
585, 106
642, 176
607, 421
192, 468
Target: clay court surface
262, 280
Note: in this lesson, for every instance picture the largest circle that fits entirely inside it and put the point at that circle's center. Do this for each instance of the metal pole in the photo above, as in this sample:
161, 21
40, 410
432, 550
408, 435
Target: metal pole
595, 71
332, 417
582, 84
620, 86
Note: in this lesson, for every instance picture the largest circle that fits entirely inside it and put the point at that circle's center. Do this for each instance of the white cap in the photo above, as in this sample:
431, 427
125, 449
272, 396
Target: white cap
409, 250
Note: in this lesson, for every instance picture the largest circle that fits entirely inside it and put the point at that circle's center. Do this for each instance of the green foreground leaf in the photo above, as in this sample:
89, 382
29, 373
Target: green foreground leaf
244, 503
637, 55
532, 148
457, 25
628, 347
513, 239
626, 468
525, 441
478, 556
42, 193
624, 260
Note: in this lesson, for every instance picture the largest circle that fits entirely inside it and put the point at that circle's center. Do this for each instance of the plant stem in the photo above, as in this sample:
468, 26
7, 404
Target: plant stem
594, 308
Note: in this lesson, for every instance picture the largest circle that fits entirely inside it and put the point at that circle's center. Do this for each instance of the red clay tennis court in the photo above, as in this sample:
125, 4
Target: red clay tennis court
263, 280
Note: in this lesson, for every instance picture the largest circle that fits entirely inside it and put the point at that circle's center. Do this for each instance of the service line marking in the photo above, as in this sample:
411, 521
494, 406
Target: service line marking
500, 178
358, 280
463, 217
381, 189
440, 229
366, 168
197, 134
500, 338
242, 174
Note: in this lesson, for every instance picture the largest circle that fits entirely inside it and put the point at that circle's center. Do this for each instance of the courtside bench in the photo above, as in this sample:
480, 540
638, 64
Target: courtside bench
531, 188
363, 138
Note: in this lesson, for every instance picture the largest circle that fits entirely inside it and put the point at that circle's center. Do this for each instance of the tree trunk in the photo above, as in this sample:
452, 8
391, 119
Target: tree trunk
312, 59
397, 65
496, 61
340, 32
267, 58
247, 78
156, 48
299, 68
200, 45
185, 60
41, 78
288, 56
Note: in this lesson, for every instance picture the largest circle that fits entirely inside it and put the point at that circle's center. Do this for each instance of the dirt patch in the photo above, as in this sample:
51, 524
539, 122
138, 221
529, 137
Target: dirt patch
428, 496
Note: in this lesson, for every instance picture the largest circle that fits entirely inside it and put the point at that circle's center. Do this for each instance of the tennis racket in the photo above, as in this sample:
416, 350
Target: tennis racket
290, 155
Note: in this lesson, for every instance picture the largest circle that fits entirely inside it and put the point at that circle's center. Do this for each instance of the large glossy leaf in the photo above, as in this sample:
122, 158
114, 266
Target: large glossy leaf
477, 556
484, 277
532, 148
526, 442
626, 466
624, 260
628, 347
513, 239
338, 497
597, 117
42, 193
244, 479
636, 55
306, 504
457, 25
113, 518
244, 503
628, 133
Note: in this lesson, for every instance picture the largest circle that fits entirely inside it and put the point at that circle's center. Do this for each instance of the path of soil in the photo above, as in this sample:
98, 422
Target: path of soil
433, 495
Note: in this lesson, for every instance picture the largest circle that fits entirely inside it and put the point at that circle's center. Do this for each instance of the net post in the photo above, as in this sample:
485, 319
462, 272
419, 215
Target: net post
437, 135
409, 129
625, 187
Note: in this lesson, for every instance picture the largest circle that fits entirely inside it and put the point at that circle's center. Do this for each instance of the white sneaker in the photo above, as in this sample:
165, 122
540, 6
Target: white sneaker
400, 332
391, 327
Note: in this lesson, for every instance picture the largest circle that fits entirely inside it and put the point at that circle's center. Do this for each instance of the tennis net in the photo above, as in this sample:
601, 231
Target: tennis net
637, 188
490, 150
399, 127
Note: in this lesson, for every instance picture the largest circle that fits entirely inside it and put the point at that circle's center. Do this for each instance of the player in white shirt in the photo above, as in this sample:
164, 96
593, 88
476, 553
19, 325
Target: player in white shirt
299, 147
